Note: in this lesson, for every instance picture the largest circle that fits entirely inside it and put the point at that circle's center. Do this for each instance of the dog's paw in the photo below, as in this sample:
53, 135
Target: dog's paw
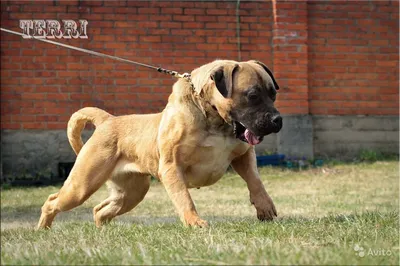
265, 207
194, 221
198, 223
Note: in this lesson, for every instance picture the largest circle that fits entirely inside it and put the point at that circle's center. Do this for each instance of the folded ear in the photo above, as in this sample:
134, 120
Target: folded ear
220, 74
200, 78
269, 73
223, 78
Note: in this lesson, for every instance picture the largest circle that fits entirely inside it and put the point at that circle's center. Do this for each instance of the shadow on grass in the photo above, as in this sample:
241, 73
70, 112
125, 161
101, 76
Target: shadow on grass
28, 216
31, 213
12, 217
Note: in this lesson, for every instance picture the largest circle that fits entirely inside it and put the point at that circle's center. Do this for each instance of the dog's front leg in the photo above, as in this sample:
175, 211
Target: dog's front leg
174, 183
246, 167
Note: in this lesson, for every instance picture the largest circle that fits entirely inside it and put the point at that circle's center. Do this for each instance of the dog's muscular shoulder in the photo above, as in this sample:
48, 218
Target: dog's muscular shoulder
202, 153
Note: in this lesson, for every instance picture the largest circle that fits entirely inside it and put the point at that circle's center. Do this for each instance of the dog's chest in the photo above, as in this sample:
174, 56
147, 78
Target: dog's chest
211, 158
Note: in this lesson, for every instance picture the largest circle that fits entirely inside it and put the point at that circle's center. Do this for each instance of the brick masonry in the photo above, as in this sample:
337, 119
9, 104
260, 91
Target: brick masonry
331, 58
353, 58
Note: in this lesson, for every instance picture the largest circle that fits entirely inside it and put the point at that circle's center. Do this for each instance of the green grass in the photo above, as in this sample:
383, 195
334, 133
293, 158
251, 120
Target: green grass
323, 214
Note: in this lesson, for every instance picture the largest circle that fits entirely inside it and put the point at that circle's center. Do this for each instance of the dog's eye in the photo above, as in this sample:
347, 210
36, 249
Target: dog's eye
253, 97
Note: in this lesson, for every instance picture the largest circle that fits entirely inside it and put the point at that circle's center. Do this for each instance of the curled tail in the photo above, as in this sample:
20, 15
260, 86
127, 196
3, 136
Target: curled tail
78, 121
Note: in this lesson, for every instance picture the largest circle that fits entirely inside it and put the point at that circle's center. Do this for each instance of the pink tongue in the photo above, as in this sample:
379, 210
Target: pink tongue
251, 138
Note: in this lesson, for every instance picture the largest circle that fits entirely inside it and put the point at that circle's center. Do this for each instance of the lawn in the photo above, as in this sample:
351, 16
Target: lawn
326, 216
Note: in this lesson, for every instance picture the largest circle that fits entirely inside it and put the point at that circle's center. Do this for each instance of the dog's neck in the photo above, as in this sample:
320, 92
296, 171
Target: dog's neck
184, 94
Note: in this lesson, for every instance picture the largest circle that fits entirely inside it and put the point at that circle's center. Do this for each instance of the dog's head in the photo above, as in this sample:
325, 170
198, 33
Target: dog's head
243, 93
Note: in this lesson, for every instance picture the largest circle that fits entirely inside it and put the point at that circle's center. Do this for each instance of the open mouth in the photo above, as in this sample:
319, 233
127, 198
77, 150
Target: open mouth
244, 134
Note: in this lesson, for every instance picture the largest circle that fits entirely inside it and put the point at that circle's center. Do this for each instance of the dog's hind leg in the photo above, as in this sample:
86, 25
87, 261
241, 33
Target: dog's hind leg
127, 190
93, 167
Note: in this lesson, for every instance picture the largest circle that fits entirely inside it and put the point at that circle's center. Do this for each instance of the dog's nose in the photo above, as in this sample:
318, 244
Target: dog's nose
277, 121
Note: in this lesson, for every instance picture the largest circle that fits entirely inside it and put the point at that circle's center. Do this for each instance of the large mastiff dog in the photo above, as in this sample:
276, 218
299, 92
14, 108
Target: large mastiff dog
207, 125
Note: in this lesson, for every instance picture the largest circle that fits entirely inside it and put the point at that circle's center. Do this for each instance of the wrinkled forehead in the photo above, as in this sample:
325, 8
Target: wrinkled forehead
251, 74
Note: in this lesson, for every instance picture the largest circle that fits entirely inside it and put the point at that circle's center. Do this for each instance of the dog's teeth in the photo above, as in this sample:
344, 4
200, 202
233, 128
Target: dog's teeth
242, 124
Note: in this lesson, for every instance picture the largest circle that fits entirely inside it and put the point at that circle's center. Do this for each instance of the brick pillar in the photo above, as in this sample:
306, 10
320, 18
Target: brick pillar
290, 61
290, 66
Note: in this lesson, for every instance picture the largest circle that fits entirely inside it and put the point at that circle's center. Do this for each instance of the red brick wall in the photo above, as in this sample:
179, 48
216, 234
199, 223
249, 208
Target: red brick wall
329, 58
353, 57
42, 84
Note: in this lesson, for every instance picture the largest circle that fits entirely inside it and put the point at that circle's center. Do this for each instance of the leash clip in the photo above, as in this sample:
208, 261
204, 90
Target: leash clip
185, 76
